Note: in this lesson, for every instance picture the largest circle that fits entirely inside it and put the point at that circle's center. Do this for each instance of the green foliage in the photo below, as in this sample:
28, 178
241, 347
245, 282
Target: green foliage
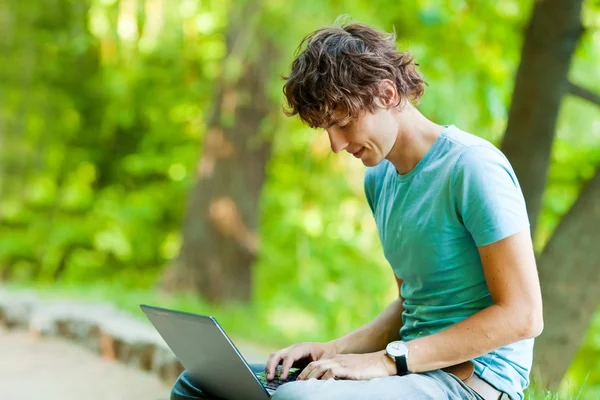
103, 114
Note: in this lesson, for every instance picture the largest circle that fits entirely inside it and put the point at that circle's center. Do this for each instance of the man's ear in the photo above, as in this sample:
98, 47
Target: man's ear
387, 95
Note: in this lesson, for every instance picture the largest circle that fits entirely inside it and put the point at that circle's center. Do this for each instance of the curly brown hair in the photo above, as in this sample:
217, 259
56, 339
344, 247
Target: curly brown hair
340, 69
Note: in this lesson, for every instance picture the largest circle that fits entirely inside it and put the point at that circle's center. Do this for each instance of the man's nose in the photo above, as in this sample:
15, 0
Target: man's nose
338, 142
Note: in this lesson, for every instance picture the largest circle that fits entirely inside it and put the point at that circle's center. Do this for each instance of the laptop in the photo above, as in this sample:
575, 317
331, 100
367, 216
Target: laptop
210, 357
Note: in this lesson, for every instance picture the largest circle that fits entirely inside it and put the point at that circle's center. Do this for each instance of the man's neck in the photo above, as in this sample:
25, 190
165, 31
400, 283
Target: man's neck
415, 137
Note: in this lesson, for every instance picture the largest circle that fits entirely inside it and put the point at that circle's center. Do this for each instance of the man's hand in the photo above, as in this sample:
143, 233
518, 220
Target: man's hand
309, 350
351, 366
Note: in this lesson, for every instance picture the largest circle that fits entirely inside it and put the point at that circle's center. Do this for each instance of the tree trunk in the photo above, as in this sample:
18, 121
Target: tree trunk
541, 82
220, 242
569, 275
571, 260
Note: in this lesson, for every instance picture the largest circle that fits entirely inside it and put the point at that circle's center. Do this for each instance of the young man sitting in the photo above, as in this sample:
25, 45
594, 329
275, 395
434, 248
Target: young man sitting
453, 224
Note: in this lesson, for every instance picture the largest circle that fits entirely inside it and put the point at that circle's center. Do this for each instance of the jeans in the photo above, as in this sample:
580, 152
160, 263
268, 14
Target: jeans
432, 385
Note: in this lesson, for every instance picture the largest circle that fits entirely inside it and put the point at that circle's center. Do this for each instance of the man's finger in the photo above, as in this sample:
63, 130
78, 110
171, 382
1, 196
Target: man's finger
285, 366
319, 369
331, 373
274, 360
307, 370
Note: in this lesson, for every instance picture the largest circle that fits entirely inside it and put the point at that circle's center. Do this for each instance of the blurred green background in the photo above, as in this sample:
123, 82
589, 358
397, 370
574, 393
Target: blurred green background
105, 106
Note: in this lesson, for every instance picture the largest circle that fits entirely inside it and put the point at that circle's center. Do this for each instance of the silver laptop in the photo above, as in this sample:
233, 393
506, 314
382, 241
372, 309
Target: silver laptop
209, 356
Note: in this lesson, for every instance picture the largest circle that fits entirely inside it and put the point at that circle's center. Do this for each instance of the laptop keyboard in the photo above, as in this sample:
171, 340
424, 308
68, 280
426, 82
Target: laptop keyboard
276, 382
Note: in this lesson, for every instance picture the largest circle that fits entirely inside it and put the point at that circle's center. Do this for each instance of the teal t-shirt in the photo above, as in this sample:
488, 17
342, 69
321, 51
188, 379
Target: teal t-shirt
461, 195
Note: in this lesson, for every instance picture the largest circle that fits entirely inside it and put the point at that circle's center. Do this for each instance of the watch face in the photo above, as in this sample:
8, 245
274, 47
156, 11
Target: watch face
397, 349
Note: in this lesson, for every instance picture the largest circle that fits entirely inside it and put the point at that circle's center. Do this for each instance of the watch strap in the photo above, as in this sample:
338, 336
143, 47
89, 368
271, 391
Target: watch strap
401, 365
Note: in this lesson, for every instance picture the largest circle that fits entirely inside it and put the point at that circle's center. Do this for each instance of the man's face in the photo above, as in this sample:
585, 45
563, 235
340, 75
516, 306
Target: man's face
370, 137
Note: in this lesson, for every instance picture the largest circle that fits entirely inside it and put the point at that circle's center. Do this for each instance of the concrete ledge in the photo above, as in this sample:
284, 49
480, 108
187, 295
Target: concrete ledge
106, 331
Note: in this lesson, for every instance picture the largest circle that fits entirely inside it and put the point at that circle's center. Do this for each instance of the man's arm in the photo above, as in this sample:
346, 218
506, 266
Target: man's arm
511, 275
368, 339
375, 335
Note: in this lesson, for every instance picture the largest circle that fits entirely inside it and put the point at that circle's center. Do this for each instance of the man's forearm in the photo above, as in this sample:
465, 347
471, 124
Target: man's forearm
487, 330
375, 335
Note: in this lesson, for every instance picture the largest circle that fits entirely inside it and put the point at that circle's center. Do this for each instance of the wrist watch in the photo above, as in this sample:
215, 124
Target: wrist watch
398, 351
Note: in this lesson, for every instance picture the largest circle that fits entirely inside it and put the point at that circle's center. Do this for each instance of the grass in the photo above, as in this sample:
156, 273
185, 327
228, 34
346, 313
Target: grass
584, 392
249, 323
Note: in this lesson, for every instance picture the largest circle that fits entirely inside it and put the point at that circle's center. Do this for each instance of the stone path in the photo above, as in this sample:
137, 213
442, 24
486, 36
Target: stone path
55, 369
52, 368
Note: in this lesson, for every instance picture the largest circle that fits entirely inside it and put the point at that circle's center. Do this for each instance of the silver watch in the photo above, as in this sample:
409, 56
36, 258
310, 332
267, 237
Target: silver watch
398, 351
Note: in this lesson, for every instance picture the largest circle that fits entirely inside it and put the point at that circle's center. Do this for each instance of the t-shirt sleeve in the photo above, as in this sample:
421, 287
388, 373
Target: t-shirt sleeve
488, 196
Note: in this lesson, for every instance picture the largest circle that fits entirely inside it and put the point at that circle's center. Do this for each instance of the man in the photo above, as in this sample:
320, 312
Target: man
453, 224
